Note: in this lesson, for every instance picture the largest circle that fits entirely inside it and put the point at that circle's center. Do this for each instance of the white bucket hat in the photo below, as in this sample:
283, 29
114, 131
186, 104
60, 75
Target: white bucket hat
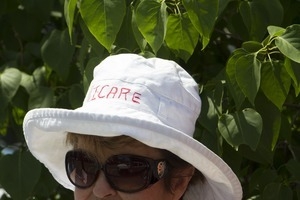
152, 100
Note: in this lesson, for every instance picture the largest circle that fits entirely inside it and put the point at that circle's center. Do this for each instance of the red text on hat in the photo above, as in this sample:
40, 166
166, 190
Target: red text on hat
115, 92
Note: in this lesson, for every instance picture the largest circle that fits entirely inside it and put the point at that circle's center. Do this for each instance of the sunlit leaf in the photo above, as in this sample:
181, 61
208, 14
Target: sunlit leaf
182, 37
203, 14
248, 75
19, 174
69, 9
242, 127
275, 30
151, 19
104, 19
275, 82
10, 80
289, 43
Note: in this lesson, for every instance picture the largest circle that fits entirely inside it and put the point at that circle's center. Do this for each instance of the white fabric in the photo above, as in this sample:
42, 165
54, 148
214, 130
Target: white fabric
152, 100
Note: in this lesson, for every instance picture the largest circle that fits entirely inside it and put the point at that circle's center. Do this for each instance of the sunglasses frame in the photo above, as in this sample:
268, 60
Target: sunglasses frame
157, 169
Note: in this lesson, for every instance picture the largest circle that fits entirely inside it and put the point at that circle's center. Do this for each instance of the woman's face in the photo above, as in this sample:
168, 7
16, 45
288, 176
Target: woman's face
102, 190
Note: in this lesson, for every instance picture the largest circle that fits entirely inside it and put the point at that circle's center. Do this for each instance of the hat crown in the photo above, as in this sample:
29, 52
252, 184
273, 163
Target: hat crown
154, 86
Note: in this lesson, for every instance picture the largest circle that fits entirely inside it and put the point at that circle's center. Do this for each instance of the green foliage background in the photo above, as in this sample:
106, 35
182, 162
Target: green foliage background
245, 55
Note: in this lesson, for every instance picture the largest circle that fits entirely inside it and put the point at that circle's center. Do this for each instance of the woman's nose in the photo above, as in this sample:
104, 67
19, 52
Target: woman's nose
102, 188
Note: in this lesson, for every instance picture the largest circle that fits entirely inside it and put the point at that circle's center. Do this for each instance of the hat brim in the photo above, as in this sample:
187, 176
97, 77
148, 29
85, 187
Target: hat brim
46, 129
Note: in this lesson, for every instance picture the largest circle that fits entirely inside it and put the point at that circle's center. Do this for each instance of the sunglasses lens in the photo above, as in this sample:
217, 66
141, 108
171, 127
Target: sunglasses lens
128, 174
82, 170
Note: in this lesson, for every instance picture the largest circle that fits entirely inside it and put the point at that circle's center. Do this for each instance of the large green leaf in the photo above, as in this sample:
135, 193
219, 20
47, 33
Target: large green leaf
69, 10
259, 14
182, 37
248, 75
57, 52
10, 80
289, 43
104, 19
275, 82
203, 14
151, 19
241, 127
293, 70
20, 173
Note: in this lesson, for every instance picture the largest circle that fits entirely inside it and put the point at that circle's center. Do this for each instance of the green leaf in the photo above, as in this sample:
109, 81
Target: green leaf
289, 42
10, 80
203, 14
20, 173
104, 19
272, 123
136, 32
182, 37
293, 70
259, 14
151, 19
212, 108
69, 9
248, 75
126, 39
275, 82
57, 52
234, 89
252, 46
97, 48
275, 31
277, 191
242, 127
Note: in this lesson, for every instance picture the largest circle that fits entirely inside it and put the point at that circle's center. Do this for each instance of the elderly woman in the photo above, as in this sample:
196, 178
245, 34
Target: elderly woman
132, 139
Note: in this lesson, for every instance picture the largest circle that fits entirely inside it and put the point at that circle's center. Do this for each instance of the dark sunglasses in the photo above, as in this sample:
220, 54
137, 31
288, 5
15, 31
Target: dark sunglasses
125, 173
